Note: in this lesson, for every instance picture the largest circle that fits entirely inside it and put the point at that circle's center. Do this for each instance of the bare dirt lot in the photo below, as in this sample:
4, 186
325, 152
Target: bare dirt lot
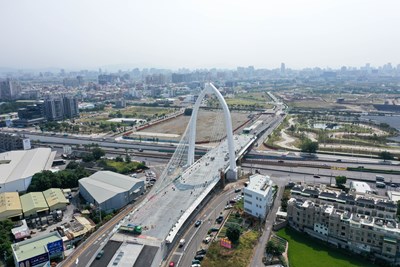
210, 125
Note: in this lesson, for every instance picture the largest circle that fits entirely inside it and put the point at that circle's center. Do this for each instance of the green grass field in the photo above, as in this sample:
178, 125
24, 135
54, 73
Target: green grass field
307, 252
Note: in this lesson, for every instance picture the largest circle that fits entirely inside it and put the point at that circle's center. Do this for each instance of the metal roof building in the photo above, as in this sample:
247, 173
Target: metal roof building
55, 199
33, 203
109, 190
10, 205
17, 167
38, 251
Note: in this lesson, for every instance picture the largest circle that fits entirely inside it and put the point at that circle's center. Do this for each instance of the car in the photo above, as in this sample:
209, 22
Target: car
232, 201
140, 149
197, 223
100, 254
280, 161
195, 262
195, 265
201, 252
207, 240
219, 219
171, 264
339, 160
317, 176
199, 257
227, 207
238, 190
393, 185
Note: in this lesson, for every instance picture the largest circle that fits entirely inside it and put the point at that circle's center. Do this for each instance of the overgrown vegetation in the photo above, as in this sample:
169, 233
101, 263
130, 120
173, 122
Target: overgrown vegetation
240, 256
121, 166
67, 178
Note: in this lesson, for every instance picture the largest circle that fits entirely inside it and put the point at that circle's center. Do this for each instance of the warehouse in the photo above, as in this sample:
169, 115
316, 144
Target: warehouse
109, 190
10, 205
33, 204
18, 167
55, 199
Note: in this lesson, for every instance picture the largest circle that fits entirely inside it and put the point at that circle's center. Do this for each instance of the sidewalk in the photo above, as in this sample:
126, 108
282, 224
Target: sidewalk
260, 249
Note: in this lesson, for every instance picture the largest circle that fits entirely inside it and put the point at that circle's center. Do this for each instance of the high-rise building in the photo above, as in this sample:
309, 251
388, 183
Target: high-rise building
59, 107
71, 109
283, 68
9, 90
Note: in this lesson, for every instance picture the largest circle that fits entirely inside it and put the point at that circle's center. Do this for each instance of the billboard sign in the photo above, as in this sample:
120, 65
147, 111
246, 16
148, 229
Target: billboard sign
55, 247
34, 261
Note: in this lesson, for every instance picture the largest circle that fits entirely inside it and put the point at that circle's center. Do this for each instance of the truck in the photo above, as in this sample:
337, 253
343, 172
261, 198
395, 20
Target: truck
132, 228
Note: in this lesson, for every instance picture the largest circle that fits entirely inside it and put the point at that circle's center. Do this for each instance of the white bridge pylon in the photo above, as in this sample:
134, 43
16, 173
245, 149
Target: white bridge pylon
210, 88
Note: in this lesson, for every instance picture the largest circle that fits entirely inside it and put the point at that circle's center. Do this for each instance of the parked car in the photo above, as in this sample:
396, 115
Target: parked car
317, 176
171, 264
199, 257
201, 252
197, 223
207, 240
220, 219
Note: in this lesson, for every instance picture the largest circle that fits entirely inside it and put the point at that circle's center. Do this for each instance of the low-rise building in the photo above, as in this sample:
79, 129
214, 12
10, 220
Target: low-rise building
38, 251
34, 204
258, 196
10, 205
109, 190
364, 224
55, 199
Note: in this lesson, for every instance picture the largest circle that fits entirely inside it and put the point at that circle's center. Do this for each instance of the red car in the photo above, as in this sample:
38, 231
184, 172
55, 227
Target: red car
171, 264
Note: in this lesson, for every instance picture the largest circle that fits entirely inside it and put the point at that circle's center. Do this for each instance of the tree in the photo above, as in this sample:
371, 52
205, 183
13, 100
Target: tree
119, 159
340, 180
233, 232
128, 158
273, 248
97, 153
386, 155
309, 146
88, 158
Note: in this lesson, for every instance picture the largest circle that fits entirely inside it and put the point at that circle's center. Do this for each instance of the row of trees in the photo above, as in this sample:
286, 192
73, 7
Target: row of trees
6, 242
67, 178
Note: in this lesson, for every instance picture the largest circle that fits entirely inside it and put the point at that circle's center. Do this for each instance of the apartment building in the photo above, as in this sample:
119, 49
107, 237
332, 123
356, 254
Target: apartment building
258, 196
365, 224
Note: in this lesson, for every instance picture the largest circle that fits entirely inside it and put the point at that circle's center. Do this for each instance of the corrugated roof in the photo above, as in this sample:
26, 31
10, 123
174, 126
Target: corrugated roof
104, 185
54, 196
10, 202
24, 163
34, 247
33, 201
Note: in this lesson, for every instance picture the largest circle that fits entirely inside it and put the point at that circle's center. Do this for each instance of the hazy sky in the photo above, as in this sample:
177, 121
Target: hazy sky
78, 34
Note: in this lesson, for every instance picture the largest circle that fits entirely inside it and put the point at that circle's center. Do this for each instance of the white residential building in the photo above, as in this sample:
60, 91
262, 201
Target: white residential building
258, 196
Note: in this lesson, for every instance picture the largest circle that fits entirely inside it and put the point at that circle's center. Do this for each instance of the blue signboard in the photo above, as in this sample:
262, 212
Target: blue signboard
34, 261
55, 247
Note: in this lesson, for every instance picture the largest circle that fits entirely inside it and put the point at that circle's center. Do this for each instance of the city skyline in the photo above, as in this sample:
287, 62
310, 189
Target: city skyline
193, 34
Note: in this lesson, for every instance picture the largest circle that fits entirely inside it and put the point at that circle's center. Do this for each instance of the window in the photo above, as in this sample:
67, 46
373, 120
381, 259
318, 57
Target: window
248, 202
